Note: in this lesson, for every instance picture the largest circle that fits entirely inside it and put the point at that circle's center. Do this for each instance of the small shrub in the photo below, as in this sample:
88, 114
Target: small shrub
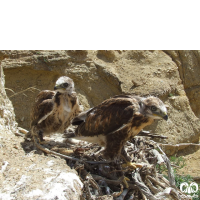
178, 163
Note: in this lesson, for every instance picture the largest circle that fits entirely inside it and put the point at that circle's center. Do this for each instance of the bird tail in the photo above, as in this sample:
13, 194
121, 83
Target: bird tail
69, 135
77, 121
80, 118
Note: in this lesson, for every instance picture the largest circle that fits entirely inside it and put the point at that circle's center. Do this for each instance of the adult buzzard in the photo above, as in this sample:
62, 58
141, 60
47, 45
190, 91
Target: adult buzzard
53, 111
116, 120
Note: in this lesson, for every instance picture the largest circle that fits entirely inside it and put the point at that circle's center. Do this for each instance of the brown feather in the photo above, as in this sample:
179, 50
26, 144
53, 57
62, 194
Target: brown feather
42, 106
114, 121
107, 117
48, 113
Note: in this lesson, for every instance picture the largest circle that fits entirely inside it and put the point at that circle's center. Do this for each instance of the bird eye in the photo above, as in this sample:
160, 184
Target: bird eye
153, 108
65, 84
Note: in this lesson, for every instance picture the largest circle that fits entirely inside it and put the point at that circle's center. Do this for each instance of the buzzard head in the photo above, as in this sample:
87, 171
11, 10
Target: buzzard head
154, 108
64, 85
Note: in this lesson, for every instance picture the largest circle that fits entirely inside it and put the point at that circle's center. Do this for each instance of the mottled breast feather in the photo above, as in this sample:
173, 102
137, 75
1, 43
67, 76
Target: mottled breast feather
73, 99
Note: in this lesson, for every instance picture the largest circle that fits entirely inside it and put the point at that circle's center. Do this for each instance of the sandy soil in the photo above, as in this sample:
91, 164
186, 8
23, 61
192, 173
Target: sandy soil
192, 162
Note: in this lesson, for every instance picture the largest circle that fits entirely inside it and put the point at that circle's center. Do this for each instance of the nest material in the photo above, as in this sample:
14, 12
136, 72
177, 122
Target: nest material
108, 180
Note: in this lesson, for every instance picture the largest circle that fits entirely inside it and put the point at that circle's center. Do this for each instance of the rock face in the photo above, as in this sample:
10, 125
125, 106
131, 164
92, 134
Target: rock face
188, 63
171, 75
7, 116
25, 175
99, 75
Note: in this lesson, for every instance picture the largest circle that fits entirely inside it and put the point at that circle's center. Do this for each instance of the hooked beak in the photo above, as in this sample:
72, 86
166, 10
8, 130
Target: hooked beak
58, 87
162, 115
165, 117
55, 88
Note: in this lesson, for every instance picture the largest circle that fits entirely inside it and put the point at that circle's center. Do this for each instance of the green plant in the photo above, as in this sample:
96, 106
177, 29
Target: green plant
162, 169
178, 163
197, 195
187, 179
181, 179
45, 60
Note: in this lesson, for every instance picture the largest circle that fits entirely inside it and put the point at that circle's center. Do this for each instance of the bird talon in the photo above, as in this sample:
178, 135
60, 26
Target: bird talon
125, 179
132, 165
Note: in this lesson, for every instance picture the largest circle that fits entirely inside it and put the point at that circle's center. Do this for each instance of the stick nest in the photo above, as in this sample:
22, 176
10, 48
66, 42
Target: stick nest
104, 180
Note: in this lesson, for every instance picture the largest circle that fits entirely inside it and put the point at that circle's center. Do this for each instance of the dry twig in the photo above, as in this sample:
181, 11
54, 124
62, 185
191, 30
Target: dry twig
107, 179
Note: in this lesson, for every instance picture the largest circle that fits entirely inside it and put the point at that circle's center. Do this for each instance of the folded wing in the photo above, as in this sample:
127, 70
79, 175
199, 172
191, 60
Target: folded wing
107, 117
43, 106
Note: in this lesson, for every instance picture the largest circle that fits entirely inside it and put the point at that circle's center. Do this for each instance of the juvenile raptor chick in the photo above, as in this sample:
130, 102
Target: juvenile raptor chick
53, 111
116, 120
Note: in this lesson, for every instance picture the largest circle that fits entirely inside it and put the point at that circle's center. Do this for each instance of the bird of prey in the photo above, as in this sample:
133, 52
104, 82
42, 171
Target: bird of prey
53, 111
116, 120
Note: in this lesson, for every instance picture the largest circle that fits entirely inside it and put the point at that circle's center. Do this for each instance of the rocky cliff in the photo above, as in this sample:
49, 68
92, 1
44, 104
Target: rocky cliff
28, 175
188, 63
99, 75
171, 75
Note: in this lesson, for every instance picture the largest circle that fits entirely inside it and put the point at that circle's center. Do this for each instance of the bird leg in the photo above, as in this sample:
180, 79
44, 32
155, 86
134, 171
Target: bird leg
131, 166
40, 136
124, 155
34, 132
123, 178
113, 149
